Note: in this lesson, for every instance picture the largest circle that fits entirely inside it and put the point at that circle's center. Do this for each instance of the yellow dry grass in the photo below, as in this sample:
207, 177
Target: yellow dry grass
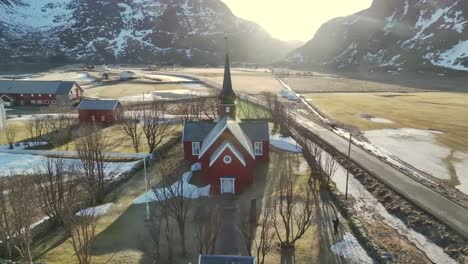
21, 132
442, 111
120, 142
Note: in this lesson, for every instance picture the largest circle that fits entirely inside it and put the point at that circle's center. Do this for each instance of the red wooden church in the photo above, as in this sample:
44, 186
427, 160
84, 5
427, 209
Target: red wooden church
227, 149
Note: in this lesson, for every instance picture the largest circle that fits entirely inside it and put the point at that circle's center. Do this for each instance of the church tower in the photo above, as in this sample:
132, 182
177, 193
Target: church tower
227, 97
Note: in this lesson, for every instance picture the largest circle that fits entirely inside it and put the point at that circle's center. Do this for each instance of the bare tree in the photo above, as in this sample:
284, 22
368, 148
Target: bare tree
92, 147
56, 187
266, 233
129, 124
154, 124
10, 134
82, 230
207, 230
330, 166
293, 211
6, 228
247, 230
154, 226
18, 210
172, 198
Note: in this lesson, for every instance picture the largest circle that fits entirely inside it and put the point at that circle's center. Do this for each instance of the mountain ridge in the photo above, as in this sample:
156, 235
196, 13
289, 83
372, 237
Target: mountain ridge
416, 35
138, 31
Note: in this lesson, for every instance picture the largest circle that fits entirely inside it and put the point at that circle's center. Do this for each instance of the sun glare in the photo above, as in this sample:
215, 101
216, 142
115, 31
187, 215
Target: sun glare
294, 19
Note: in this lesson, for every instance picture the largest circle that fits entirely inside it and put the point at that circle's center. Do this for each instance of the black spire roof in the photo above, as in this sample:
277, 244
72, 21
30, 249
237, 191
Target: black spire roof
227, 95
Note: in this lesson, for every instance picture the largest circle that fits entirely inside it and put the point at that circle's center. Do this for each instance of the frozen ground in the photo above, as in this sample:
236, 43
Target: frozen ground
193, 90
168, 78
95, 211
371, 210
285, 143
419, 149
350, 249
11, 164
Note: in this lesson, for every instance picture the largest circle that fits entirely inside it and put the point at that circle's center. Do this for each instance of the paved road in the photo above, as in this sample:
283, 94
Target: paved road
437, 205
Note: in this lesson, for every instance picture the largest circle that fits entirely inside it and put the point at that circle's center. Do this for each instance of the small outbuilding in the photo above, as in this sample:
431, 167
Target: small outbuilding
99, 111
105, 76
127, 75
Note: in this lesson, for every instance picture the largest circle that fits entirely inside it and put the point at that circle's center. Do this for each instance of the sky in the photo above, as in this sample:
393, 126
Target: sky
294, 19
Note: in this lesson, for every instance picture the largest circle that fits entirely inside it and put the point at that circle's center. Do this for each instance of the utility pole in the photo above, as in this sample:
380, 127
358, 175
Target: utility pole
347, 171
147, 185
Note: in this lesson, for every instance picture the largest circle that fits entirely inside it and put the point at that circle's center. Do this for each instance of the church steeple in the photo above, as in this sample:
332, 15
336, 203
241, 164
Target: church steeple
227, 97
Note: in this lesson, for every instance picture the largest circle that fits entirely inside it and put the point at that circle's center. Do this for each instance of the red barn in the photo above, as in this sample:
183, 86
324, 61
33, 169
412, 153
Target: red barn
100, 111
18, 92
228, 149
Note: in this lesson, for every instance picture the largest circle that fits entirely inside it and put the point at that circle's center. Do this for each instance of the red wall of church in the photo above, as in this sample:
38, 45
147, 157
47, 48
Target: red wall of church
235, 169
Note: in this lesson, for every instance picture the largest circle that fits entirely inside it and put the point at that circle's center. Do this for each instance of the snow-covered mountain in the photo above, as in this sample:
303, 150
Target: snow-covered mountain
392, 35
132, 31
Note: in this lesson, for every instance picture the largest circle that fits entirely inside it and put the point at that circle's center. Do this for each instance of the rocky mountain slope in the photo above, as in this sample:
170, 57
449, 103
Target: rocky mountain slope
424, 35
131, 31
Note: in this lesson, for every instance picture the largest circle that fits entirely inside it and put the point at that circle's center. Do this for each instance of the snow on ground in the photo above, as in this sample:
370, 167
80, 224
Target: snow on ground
371, 210
285, 143
415, 147
165, 95
168, 78
349, 248
451, 57
461, 167
22, 145
36, 116
179, 188
95, 211
24, 163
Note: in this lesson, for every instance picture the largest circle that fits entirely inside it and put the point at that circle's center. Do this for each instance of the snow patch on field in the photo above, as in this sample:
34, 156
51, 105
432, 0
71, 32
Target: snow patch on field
461, 166
349, 248
285, 143
165, 95
415, 147
95, 211
12, 164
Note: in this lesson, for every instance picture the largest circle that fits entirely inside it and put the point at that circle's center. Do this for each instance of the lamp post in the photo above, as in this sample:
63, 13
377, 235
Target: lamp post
347, 170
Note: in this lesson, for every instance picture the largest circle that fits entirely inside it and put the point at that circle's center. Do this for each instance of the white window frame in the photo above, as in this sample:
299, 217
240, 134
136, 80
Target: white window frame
258, 148
232, 181
228, 109
93, 118
103, 118
50, 95
33, 101
39, 95
53, 102
46, 101
196, 148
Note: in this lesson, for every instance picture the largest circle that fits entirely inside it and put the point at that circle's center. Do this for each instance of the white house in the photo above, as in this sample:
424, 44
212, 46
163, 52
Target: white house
2, 115
127, 75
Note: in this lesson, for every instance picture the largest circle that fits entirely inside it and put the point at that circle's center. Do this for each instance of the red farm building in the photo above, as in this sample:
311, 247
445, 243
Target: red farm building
99, 111
19, 92
228, 149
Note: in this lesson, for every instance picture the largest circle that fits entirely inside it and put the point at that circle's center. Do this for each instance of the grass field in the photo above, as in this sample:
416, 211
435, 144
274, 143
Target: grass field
334, 84
251, 84
446, 112
21, 133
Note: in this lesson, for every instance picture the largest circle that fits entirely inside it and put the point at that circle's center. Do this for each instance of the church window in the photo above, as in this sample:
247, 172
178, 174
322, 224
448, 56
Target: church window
227, 159
258, 146
195, 148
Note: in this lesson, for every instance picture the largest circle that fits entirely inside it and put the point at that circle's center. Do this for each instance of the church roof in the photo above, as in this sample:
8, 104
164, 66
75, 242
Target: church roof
235, 129
197, 131
227, 145
227, 94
